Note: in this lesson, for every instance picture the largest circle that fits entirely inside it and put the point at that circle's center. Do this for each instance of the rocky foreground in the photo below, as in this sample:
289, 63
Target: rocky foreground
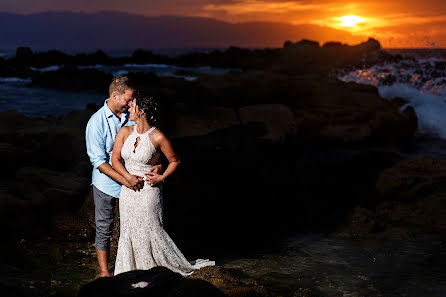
281, 149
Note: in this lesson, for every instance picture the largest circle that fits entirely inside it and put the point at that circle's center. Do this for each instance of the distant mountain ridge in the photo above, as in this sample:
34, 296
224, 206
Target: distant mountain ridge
118, 30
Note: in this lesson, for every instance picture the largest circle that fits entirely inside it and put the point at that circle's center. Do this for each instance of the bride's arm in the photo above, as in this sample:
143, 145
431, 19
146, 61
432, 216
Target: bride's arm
168, 151
131, 181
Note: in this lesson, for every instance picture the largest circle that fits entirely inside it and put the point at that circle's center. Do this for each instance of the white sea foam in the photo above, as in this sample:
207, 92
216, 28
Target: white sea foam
422, 82
430, 108
97, 66
14, 80
158, 69
120, 72
46, 69
149, 66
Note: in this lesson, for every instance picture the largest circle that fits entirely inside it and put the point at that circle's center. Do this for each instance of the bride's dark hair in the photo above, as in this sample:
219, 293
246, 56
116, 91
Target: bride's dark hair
150, 106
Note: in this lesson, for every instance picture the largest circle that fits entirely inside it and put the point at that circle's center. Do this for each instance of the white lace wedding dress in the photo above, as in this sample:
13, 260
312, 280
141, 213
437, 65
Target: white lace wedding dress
143, 243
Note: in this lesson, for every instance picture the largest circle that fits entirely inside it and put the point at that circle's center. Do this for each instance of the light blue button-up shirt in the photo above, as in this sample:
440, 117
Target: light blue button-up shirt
100, 137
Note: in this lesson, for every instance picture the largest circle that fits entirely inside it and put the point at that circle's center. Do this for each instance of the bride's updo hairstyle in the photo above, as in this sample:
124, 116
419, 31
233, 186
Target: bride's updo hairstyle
150, 107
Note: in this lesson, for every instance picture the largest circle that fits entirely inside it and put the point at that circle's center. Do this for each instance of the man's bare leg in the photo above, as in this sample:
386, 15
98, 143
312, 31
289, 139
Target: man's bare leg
103, 257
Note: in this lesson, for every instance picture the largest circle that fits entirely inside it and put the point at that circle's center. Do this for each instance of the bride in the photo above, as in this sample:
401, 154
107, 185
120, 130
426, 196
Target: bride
143, 243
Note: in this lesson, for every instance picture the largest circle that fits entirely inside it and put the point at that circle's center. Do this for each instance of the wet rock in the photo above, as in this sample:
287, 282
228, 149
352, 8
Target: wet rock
201, 120
60, 190
278, 120
80, 224
412, 179
14, 291
416, 195
411, 200
347, 114
72, 227
13, 123
398, 101
158, 281
360, 223
326, 110
232, 282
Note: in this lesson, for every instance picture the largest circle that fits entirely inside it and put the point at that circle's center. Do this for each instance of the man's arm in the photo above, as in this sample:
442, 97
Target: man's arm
95, 140
110, 172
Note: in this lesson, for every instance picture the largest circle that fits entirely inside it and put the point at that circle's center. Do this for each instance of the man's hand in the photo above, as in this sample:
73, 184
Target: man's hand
135, 183
156, 168
154, 178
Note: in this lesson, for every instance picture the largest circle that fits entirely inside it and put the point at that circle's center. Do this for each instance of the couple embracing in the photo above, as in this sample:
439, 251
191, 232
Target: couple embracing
124, 147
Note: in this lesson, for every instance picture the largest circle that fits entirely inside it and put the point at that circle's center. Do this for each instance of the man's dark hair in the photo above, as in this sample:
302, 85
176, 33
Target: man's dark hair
120, 84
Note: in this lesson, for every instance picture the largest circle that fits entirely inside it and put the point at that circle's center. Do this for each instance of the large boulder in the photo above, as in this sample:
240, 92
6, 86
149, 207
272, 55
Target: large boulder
351, 114
326, 110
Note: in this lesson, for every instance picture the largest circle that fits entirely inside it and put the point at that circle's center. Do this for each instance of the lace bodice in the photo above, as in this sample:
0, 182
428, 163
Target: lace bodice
139, 153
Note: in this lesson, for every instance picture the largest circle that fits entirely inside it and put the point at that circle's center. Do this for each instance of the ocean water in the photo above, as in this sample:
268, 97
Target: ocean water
419, 78
15, 94
188, 73
41, 102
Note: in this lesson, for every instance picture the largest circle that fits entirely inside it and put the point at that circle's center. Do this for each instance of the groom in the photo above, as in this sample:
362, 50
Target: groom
100, 137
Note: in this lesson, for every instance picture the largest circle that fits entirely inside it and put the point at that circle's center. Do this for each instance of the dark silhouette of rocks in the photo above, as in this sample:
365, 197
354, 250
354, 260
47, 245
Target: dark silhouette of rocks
73, 79
141, 56
334, 44
158, 281
302, 43
294, 58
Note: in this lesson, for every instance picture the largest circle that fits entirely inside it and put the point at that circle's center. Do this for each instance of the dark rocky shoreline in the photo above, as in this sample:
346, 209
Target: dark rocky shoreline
287, 148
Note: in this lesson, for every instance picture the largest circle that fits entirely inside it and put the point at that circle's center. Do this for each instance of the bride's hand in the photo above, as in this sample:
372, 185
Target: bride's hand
156, 168
153, 178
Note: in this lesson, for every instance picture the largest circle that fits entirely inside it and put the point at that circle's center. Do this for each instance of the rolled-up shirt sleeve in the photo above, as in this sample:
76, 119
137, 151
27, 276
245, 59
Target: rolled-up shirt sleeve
95, 141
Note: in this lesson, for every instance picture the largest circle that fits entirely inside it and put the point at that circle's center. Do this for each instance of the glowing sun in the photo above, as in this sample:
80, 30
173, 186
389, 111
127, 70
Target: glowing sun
350, 21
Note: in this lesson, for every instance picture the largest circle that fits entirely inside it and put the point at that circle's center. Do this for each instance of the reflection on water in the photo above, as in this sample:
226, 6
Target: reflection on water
340, 267
40, 102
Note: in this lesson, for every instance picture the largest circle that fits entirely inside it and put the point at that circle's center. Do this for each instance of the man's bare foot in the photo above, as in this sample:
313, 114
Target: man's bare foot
103, 257
104, 274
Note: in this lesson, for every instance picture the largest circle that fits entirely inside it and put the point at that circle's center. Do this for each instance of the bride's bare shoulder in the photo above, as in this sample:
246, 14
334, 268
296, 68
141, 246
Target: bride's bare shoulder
128, 129
158, 136
125, 131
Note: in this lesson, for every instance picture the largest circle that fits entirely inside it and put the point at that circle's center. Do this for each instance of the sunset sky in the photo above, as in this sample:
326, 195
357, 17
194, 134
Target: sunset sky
401, 23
